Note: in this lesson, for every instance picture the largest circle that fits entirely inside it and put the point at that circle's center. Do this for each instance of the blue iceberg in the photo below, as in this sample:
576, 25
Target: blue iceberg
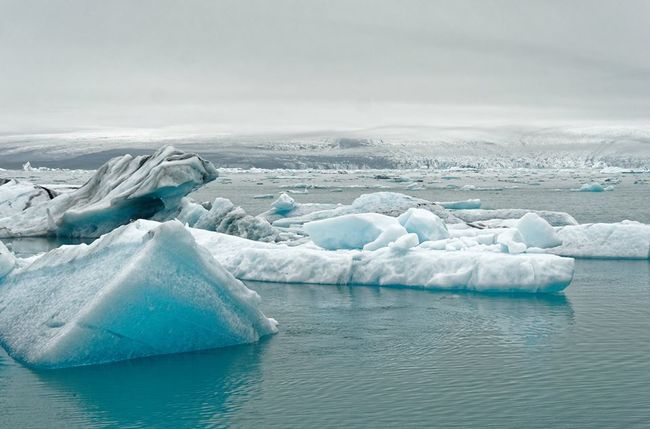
144, 289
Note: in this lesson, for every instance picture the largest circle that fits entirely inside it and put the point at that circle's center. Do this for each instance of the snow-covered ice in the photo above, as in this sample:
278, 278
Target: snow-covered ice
18, 195
123, 189
386, 203
622, 240
355, 231
397, 265
144, 289
426, 225
479, 215
537, 232
7, 260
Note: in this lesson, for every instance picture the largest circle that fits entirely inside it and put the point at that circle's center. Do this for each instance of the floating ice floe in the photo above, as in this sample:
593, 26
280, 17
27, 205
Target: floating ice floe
144, 289
592, 187
399, 264
483, 215
16, 196
461, 205
286, 207
386, 203
223, 216
622, 240
123, 189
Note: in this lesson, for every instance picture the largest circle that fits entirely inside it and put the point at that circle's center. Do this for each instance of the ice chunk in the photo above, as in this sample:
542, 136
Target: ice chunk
123, 189
479, 215
284, 204
144, 289
623, 240
417, 268
592, 187
405, 242
224, 217
386, 203
16, 196
354, 231
387, 236
7, 261
425, 224
461, 205
511, 241
536, 232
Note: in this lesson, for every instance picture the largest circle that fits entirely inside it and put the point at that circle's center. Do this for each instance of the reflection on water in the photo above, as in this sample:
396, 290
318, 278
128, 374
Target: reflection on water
382, 357
185, 390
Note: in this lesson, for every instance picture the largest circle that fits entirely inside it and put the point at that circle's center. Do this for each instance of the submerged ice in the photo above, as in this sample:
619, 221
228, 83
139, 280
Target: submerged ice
144, 289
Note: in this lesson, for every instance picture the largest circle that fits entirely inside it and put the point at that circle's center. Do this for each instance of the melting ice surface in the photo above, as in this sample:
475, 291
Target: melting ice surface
141, 290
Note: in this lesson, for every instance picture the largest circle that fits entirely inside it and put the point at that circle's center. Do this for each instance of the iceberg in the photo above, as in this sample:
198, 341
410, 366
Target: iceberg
7, 260
386, 203
592, 187
17, 196
461, 205
400, 265
125, 188
536, 232
622, 240
426, 225
223, 216
368, 231
482, 215
144, 289
286, 207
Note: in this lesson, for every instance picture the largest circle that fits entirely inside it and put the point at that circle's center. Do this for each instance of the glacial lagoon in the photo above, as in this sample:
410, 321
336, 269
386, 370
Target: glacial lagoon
385, 357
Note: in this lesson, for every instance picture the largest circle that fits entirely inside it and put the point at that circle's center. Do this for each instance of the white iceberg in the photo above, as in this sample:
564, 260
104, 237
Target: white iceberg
18, 195
123, 189
386, 203
622, 240
425, 224
368, 231
536, 232
286, 207
144, 289
481, 215
7, 261
397, 265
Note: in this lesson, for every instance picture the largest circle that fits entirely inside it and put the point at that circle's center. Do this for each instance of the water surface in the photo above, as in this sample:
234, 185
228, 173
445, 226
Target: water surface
381, 357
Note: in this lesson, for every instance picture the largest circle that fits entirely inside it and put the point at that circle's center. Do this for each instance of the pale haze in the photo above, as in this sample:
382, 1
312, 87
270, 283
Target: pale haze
237, 66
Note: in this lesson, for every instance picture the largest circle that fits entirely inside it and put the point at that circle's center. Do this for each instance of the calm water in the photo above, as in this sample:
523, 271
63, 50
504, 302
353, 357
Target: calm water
378, 357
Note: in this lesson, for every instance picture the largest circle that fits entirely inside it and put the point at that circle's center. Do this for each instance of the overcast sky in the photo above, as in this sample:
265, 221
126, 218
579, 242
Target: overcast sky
241, 65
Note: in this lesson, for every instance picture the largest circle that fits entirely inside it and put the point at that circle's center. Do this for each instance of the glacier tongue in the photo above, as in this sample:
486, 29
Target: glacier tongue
144, 289
123, 189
